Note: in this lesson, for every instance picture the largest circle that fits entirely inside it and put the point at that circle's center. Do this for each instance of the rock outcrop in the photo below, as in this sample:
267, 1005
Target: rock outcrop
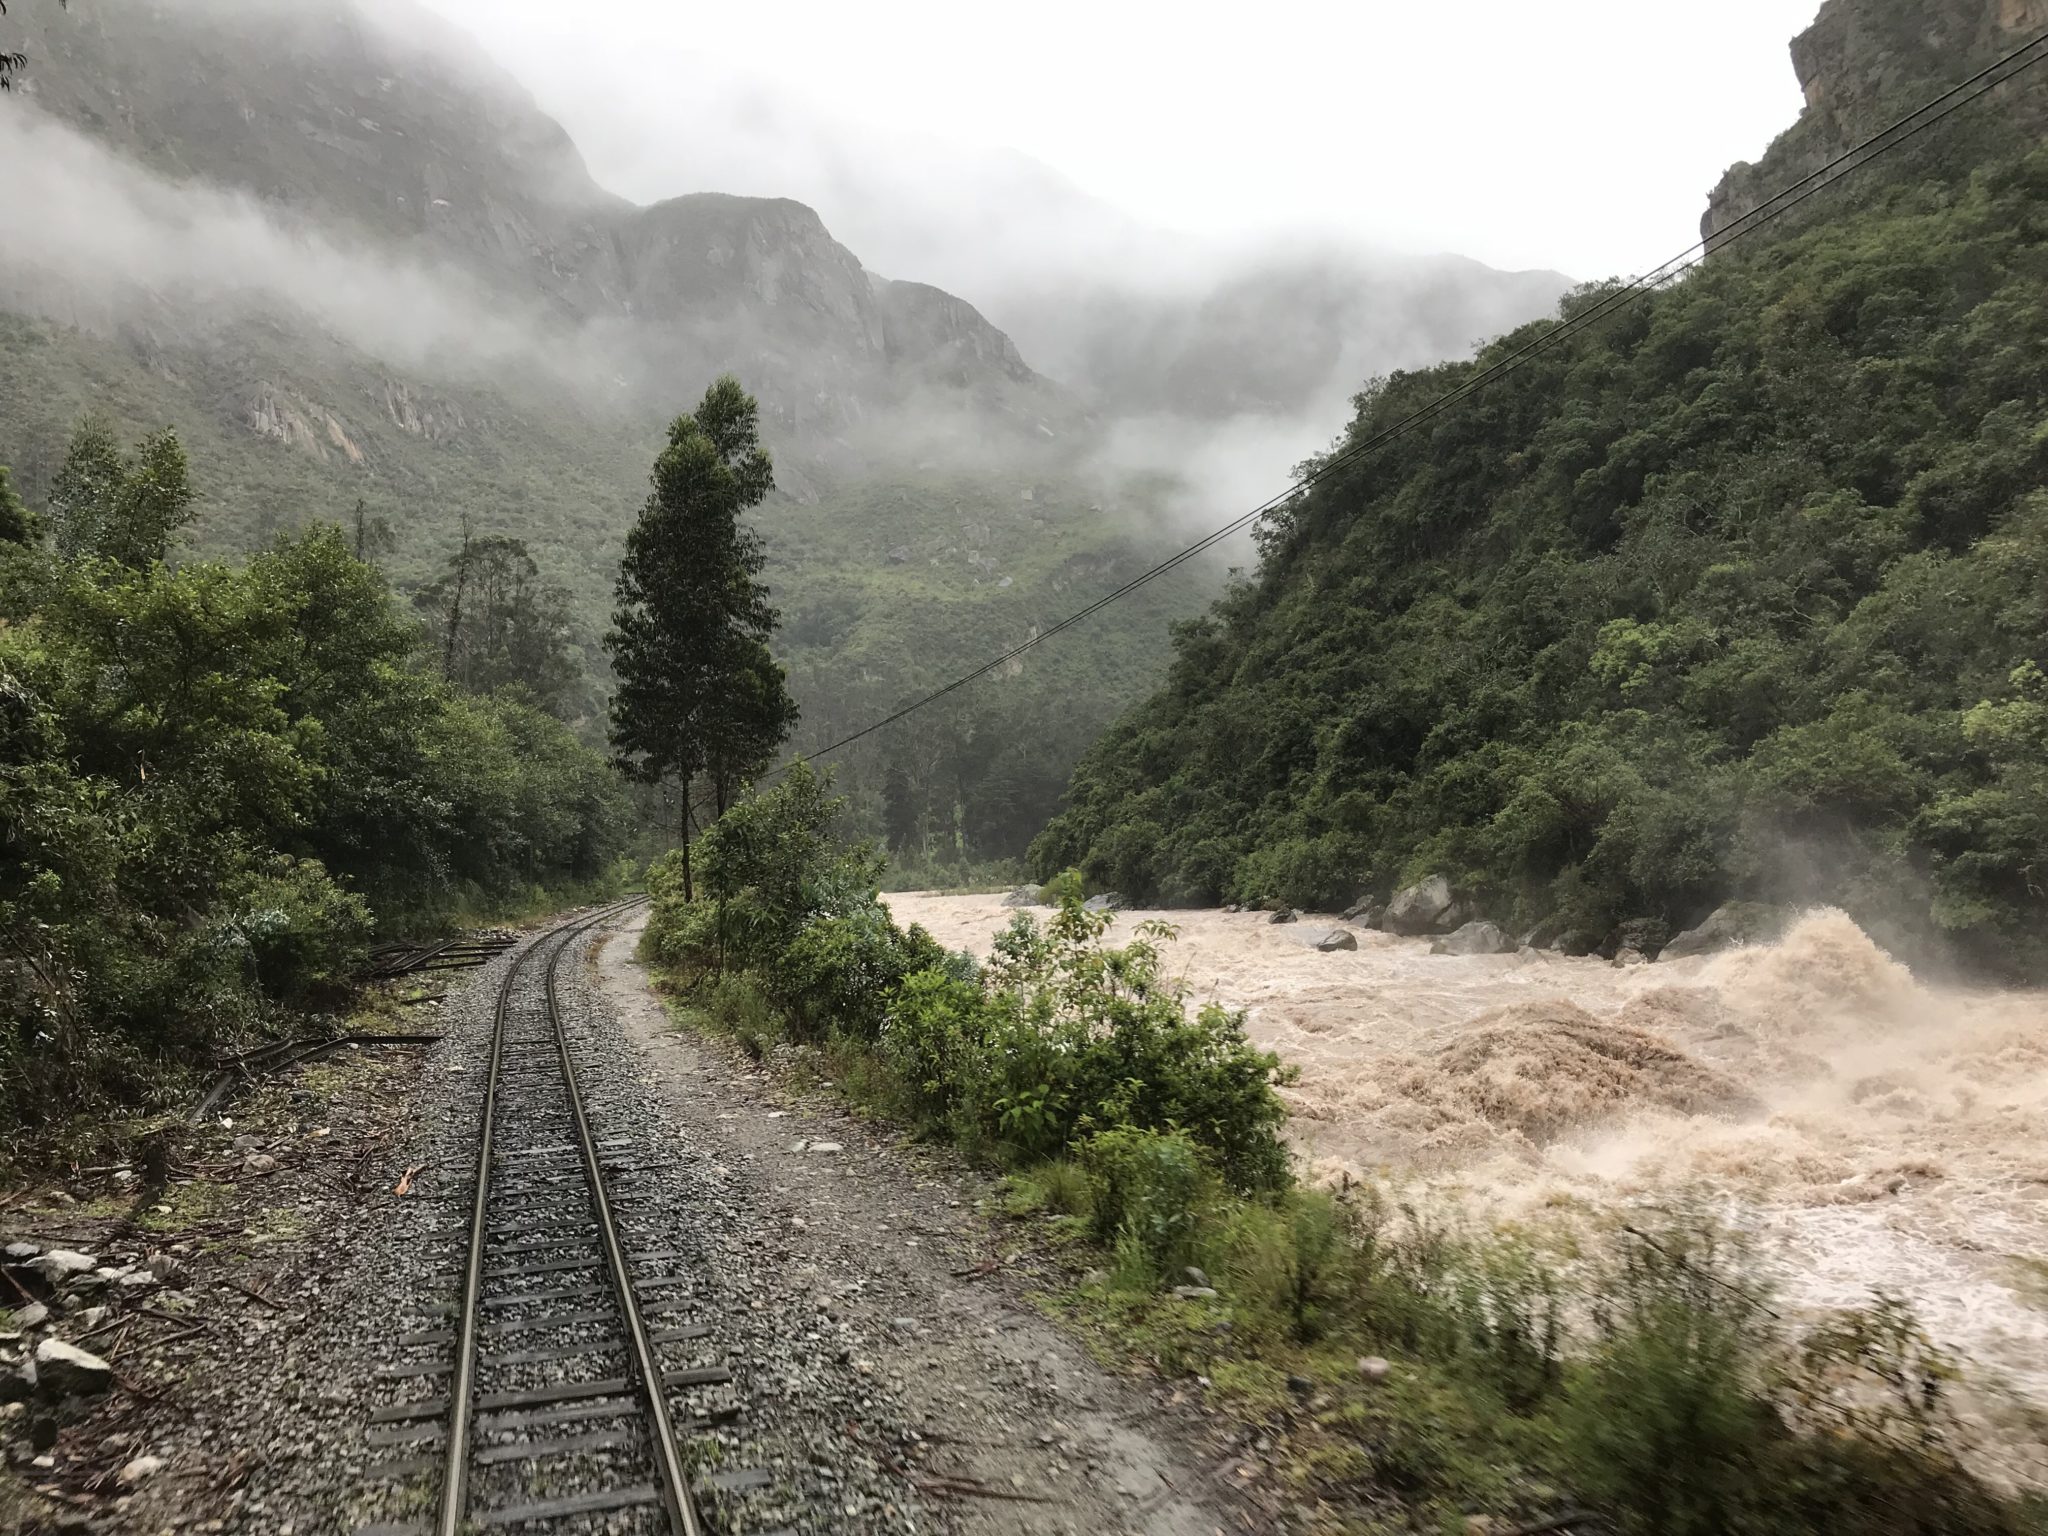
1862, 65
1475, 938
65, 1370
1646, 936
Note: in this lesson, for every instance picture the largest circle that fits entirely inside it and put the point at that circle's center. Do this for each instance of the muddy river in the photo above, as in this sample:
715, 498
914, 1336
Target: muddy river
1874, 1131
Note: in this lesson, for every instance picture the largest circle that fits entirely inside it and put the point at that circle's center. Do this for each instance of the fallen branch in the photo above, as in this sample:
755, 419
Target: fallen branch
292, 1054
1705, 1274
202, 1326
252, 1294
968, 1488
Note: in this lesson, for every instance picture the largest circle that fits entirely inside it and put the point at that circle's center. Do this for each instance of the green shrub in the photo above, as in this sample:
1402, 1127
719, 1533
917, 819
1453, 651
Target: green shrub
302, 932
1299, 872
1511, 1313
1088, 1037
1062, 888
932, 1040
1146, 1189
736, 1006
1286, 1265
842, 970
1057, 1187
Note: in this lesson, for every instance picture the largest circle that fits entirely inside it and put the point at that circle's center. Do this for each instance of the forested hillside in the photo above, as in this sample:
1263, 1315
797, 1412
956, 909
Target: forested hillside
350, 260
1741, 592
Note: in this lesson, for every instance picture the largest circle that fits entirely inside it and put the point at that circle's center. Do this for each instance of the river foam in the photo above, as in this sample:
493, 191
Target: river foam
1877, 1131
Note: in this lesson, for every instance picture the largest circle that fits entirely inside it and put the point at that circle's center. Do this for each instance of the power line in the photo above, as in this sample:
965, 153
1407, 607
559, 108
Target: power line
1780, 203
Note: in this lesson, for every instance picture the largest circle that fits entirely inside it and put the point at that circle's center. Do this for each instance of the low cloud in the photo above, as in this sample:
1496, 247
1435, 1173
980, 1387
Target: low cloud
97, 241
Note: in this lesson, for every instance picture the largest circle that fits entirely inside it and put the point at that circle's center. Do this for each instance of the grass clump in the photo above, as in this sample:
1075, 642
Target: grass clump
191, 1202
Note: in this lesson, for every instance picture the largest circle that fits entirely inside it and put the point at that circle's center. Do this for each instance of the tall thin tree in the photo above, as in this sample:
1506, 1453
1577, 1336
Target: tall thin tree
698, 694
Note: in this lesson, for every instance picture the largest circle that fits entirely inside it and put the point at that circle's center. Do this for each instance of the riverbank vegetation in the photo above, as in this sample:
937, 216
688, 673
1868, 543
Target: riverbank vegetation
1407, 1373
218, 780
1737, 592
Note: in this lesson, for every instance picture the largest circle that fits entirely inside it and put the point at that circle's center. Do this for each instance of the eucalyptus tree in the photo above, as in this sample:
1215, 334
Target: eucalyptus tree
700, 701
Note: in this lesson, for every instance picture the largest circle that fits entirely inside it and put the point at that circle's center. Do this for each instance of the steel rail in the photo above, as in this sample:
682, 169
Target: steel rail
462, 1386
675, 1482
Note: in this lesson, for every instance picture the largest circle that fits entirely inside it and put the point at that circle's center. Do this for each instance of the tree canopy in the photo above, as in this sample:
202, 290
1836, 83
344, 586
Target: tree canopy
498, 625
216, 780
1740, 592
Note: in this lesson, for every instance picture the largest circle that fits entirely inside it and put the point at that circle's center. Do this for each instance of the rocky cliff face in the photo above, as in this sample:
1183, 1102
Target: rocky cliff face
945, 340
1865, 63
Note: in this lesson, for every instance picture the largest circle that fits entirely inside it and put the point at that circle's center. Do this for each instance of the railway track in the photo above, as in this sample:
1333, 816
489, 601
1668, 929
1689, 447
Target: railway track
570, 1365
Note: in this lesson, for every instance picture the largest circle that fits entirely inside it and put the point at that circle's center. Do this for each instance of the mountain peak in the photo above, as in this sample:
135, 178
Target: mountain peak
376, 122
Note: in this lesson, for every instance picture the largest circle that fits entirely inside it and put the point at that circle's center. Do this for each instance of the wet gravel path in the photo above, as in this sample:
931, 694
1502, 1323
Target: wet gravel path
805, 1440
1017, 1429
888, 1371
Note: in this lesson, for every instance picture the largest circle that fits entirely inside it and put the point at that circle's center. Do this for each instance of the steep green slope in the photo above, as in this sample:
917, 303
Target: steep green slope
898, 586
1746, 591
890, 581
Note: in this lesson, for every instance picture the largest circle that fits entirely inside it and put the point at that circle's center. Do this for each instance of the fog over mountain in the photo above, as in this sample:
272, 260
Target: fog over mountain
341, 247
369, 167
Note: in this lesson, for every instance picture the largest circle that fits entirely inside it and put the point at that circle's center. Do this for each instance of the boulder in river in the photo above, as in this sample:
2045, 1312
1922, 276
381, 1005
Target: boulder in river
1420, 908
1108, 901
1284, 915
1023, 896
1729, 925
1476, 938
1329, 940
1645, 935
1365, 912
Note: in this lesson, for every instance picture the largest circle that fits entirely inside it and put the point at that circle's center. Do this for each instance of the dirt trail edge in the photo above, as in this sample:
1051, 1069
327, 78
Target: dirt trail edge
1024, 1431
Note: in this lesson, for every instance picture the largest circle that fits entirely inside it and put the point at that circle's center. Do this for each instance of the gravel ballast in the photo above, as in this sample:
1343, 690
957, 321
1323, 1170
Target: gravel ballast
887, 1373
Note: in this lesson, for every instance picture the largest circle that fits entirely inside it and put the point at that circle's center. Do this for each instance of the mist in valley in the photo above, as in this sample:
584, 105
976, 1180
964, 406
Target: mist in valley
1698, 675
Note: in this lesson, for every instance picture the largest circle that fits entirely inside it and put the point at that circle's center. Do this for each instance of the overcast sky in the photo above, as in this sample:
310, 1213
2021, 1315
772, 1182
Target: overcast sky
1580, 135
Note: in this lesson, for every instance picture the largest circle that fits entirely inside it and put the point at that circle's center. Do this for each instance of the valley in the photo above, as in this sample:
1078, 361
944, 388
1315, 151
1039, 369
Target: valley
952, 857
350, 261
